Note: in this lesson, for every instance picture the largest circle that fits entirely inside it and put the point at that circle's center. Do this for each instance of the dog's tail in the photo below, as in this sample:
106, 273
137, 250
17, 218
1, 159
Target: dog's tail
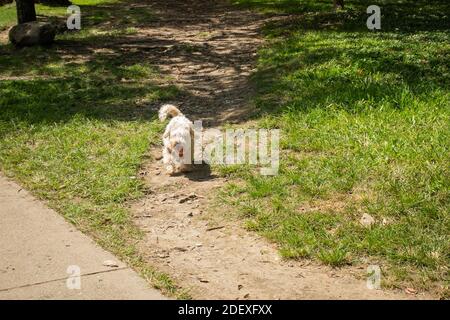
168, 110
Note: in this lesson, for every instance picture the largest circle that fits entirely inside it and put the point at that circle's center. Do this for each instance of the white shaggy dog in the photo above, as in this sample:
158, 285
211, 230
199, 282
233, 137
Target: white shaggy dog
178, 140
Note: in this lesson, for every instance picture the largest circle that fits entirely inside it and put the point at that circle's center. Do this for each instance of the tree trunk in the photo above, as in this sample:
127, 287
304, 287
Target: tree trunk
25, 11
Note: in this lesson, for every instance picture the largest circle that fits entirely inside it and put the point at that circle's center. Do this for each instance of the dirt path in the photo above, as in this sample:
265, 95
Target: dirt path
210, 48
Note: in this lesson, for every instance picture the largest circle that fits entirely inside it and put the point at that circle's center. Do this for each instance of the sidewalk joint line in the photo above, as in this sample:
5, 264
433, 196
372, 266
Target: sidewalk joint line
60, 279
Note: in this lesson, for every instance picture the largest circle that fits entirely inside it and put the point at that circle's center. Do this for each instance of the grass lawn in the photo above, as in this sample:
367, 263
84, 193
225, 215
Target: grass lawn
75, 127
96, 11
8, 15
364, 118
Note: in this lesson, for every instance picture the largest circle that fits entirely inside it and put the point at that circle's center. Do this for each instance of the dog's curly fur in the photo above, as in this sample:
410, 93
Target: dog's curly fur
178, 140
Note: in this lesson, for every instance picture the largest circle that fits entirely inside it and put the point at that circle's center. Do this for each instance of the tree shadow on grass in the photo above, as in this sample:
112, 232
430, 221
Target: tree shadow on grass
107, 70
352, 79
107, 77
344, 64
74, 76
286, 6
397, 16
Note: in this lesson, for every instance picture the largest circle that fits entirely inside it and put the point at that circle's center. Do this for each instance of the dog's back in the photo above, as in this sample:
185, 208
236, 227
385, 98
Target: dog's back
168, 110
179, 124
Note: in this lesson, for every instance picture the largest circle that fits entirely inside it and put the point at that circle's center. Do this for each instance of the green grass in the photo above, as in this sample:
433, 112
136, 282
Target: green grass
75, 126
95, 11
8, 16
364, 118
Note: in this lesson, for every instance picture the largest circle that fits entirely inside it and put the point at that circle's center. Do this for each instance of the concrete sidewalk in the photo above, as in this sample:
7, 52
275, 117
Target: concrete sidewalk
37, 246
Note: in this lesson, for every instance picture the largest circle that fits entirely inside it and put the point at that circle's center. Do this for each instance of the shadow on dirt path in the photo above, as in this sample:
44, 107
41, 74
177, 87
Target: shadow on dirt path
209, 47
210, 50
